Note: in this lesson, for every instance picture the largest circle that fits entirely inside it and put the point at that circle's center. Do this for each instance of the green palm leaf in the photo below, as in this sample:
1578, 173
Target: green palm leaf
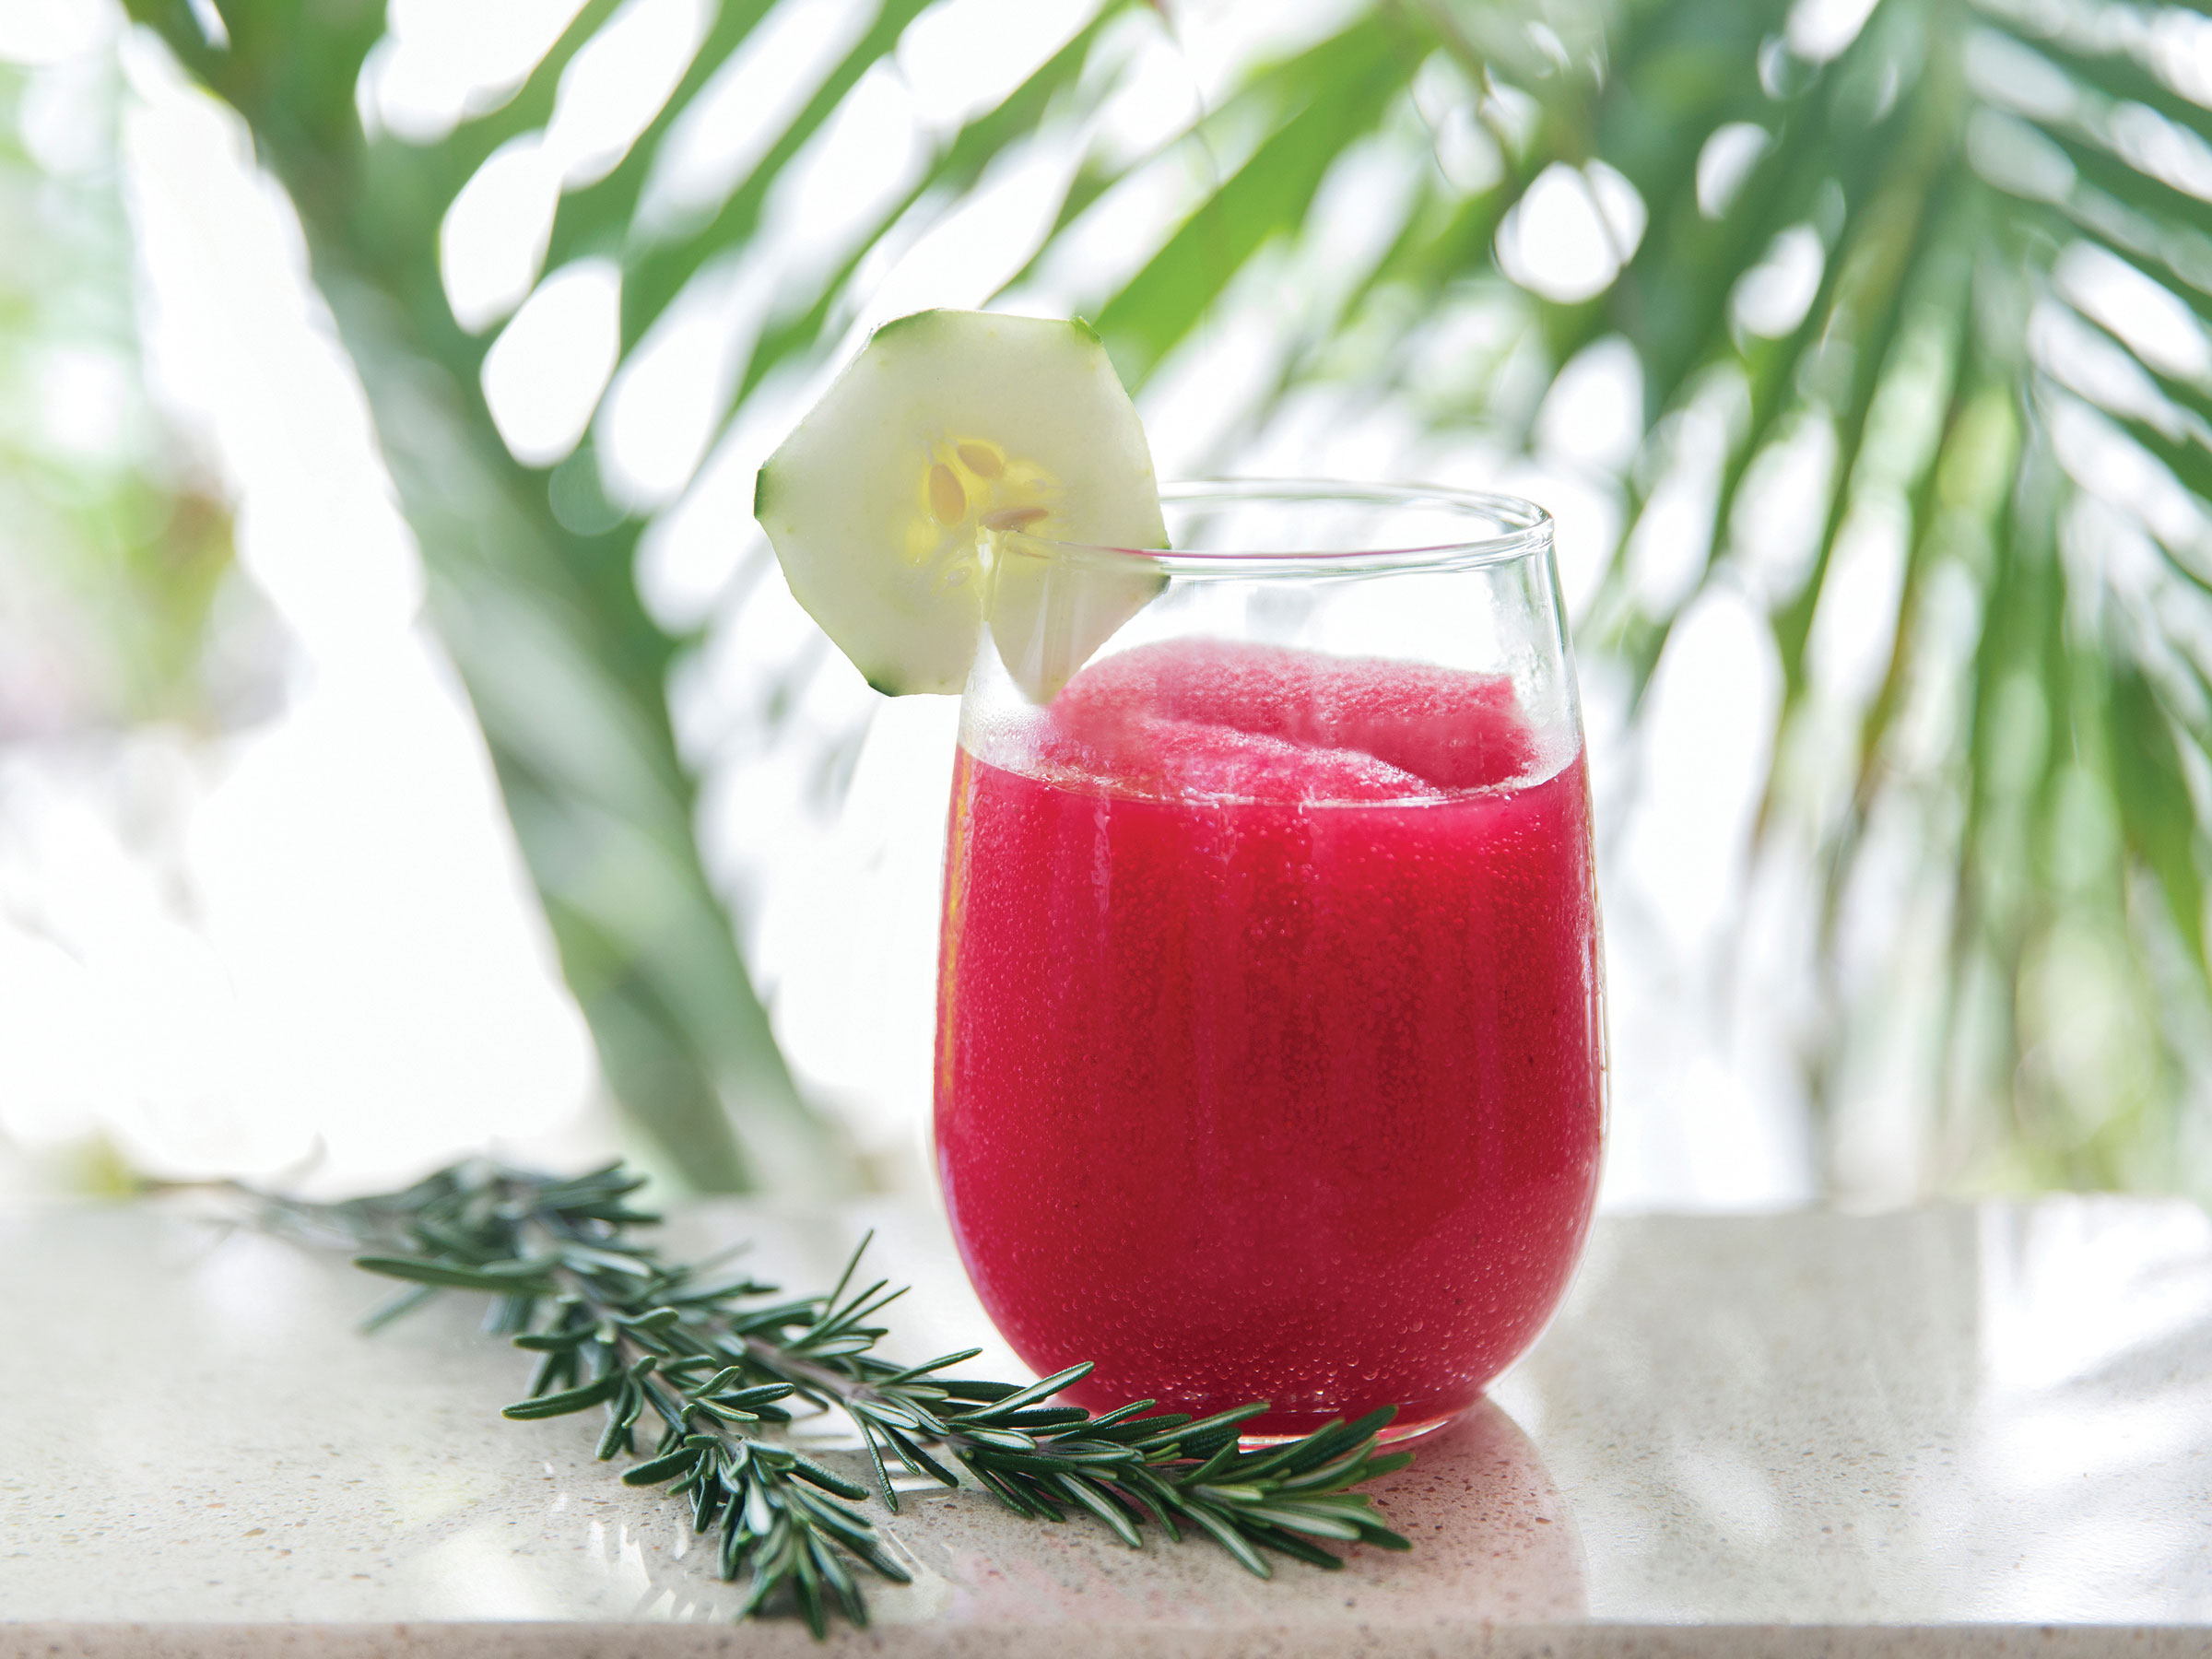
531, 578
1967, 252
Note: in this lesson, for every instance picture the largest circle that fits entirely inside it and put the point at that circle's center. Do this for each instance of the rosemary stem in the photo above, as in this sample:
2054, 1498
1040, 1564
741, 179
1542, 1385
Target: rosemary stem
722, 1355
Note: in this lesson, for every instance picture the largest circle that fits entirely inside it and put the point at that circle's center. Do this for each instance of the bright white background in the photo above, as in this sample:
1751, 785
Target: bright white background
211, 951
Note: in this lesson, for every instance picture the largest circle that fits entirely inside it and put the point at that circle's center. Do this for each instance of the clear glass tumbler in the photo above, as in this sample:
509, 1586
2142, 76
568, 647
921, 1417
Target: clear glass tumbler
1270, 1046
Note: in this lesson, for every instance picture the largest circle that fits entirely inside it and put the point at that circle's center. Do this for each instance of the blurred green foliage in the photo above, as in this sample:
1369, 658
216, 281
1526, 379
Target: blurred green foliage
113, 543
2035, 738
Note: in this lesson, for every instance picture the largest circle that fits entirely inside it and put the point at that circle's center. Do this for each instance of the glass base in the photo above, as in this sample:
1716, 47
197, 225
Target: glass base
1396, 1434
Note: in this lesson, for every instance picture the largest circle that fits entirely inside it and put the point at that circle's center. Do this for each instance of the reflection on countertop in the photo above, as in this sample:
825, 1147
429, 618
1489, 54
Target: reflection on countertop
2001, 1413
1494, 1544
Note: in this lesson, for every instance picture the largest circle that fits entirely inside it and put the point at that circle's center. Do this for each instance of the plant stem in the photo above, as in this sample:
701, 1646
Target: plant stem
621, 1327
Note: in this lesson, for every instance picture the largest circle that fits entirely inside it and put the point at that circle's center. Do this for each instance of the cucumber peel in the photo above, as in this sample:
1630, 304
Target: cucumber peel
926, 495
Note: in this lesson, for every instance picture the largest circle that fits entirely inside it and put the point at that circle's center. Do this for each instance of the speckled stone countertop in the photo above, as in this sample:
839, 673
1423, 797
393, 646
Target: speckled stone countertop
1955, 1431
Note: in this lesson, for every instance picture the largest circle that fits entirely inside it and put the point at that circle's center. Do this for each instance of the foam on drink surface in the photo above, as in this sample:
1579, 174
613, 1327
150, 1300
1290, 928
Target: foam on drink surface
1206, 718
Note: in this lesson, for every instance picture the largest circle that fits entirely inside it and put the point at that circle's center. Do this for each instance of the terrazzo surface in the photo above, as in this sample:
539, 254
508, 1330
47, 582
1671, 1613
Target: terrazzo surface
1959, 1430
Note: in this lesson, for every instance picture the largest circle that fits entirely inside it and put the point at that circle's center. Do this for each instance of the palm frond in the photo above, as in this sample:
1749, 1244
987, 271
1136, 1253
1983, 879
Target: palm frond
2001, 351
1961, 261
532, 583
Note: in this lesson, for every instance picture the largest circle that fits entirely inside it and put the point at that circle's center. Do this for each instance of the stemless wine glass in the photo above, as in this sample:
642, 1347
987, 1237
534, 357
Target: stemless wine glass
1270, 1044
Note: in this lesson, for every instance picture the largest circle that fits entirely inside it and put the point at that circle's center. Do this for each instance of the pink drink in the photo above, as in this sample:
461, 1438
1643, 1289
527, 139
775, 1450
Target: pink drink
1269, 1049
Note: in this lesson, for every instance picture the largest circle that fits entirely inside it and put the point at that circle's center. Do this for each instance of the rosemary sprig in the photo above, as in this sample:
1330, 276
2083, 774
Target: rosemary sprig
716, 1360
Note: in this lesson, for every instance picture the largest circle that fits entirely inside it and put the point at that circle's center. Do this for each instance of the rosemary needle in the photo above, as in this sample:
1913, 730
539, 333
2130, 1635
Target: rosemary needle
694, 1372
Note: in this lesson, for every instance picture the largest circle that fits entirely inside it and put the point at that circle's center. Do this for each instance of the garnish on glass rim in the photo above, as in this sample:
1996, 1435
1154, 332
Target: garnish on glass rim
951, 435
715, 1361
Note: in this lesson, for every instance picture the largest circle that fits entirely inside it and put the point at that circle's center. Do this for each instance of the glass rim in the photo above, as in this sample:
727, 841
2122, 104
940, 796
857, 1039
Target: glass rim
1527, 530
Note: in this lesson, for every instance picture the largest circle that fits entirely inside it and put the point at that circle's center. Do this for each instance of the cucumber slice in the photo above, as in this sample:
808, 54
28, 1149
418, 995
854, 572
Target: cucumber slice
953, 438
